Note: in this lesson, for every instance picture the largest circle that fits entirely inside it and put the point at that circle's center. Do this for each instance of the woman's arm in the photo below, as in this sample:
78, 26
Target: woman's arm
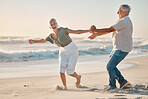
77, 31
37, 41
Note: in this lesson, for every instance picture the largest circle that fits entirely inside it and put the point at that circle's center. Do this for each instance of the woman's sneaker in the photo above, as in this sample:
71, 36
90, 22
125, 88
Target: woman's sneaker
125, 85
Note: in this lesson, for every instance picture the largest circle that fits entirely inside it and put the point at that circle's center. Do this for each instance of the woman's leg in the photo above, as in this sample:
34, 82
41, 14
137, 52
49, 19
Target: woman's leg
71, 67
78, 77
63, 78
63, 65
73, 57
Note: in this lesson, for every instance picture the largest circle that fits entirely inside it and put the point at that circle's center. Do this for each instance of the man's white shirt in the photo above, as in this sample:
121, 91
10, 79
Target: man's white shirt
122, 37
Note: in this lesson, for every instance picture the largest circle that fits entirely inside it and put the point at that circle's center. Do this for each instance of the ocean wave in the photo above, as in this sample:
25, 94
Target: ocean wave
142, 48
18, 40
44, 54
40, 55
95, 51
27, 56
144, 43
100, 40
18, 49
15, 40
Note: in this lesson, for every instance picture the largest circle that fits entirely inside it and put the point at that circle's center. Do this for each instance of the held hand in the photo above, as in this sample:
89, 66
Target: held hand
31, 41
92, 36
92, 29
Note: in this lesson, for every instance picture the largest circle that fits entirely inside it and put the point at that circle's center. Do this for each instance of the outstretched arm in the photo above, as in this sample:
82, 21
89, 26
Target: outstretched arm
37, 41
98, 32
77, 31
103, 30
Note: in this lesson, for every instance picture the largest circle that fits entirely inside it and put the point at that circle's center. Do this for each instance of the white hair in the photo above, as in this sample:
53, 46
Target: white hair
125, 7
52, 20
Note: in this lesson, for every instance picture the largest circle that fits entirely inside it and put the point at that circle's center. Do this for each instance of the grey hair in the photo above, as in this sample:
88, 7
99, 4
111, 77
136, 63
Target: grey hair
125, 7
52, 20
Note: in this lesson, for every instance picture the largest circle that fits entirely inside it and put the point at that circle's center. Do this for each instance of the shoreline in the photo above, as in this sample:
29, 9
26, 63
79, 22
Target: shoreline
44, 87
40, 68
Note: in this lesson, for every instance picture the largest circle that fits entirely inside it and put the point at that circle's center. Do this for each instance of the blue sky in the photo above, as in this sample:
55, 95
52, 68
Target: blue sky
30, 17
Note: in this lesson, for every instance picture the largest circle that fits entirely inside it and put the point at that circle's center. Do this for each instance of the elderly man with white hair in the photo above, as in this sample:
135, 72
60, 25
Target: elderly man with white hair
122, 45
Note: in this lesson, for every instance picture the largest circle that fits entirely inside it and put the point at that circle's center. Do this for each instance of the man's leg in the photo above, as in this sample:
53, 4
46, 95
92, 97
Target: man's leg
115, 59
118, 74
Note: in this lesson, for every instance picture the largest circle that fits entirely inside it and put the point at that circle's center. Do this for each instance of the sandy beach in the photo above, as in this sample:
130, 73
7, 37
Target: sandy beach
40, 40
44, 87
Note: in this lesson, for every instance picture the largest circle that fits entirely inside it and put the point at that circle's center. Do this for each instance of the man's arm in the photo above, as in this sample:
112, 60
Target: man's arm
102, 31
77, 31
98, 32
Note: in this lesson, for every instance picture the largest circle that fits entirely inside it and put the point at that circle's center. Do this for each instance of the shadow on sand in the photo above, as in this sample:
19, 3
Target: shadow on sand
137, 89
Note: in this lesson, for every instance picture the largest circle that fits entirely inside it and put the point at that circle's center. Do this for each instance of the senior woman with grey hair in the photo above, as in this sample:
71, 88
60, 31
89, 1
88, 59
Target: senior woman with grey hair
68, 53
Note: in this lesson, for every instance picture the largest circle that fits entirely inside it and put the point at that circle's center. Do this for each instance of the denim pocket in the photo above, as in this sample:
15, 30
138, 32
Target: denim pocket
120, 53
